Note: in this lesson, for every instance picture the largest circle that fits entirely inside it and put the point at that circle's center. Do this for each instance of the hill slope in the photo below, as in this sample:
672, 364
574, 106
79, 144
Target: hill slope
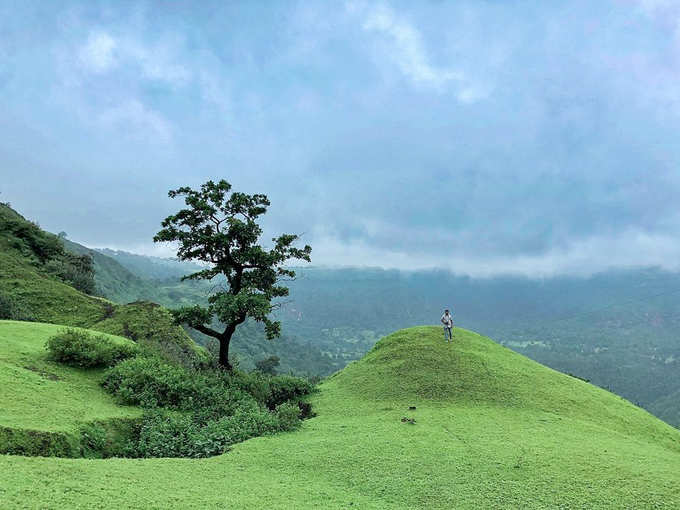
31, 262
492, 430
112, 279
45, 403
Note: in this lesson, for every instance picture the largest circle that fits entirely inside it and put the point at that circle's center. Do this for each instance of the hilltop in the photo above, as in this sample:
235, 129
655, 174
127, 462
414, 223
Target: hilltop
489, 429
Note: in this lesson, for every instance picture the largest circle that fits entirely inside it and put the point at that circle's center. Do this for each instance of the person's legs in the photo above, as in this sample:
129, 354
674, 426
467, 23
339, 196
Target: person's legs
446, 334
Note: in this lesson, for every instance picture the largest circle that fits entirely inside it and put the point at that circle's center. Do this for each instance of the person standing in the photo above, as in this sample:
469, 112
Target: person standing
447, 321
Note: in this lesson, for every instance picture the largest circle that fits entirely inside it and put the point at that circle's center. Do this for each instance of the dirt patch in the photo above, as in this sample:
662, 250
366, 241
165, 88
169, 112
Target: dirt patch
43, 373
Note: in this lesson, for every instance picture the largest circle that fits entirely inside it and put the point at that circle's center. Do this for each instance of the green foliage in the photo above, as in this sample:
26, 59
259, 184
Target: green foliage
79, 348
150, 382
45, 403
46, 251
201, 413
103, 439
111, 279
288, 415
287, 388
34, 443
171, 434
268, 365
11, 310
153, 327
220, 229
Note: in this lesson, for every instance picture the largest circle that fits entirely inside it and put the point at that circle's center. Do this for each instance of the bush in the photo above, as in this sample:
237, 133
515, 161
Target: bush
165, 434
287, 388
75, 270
109, 438
173, 434
80, 349
201, 413
151, 382
288, 416
271, 391
11, 310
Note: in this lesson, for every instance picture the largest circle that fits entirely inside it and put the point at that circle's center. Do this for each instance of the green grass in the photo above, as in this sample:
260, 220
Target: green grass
43, 399
492, 430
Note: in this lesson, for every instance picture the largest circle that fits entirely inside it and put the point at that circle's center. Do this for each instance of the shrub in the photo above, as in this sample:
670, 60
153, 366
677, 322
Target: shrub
288, 416
151, 382
173, 434
268, 365
11, 310
80, 349
109, 438
164, 434
287, 388
201, 413
271, 391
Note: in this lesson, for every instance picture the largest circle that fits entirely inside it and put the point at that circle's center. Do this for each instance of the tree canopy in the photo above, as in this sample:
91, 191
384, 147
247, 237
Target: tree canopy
220, 229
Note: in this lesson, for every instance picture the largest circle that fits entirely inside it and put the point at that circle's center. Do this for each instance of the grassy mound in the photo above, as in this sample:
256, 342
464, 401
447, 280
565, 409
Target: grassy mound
44, 403
490, 429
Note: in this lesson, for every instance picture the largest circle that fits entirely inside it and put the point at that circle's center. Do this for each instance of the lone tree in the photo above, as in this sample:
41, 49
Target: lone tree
219, 228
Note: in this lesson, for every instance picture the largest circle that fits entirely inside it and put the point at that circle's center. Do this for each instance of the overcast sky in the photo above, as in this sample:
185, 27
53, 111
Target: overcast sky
484, 136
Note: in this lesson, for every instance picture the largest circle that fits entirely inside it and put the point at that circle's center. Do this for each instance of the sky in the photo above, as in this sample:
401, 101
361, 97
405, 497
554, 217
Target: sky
485, 137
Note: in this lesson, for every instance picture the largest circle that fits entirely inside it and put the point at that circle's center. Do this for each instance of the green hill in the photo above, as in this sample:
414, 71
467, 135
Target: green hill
45, 403
36, 283
490, 429
112, 279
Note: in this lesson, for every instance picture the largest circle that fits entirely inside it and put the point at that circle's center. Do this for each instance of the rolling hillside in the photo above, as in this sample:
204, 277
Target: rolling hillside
490, 429
31, 262
45, 403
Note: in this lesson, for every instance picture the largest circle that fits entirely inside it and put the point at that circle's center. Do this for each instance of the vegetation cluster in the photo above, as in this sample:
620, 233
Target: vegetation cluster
46, 251
189, 411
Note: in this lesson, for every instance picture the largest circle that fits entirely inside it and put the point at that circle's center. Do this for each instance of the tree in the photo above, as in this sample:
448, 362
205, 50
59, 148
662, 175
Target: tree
219, 228
268, 365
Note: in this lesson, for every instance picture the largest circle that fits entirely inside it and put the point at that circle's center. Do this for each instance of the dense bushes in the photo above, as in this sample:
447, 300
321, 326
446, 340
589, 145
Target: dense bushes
173, 434
199, 413
190, 412
75, 270
80, 349
11, 310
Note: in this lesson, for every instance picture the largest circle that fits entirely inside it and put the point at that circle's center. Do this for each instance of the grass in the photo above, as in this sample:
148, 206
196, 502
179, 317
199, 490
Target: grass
44, 297
492, 430
43, 401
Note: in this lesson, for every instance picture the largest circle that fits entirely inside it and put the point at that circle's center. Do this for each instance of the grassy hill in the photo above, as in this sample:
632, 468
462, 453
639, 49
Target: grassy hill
45, 403
490, 429
112, 279
33, 284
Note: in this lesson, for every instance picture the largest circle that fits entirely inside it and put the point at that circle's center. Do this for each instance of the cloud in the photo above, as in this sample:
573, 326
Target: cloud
133, 118
584, 257
407, 50
97, 54
158, 61
354, 122
409, 53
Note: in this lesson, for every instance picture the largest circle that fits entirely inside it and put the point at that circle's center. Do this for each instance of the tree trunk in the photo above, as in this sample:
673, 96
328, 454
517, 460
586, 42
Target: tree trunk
224, 354
225, 340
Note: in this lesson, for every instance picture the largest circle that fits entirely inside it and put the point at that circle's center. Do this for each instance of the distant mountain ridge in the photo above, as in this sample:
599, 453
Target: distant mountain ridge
149, 267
